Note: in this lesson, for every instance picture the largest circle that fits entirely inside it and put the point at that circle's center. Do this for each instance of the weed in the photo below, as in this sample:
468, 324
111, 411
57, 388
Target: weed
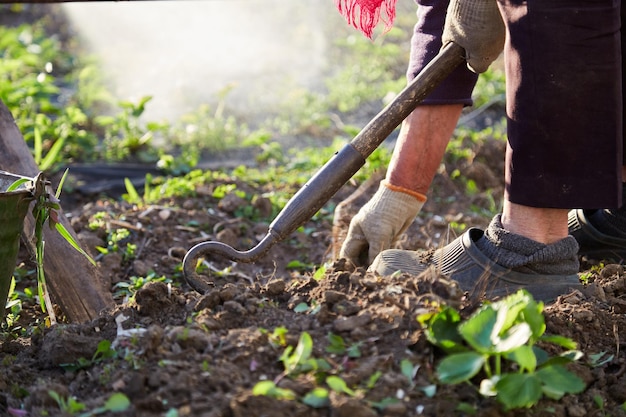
126, 136
46, 209
103, 352
337, 346
269, 389
67, 405
117, 242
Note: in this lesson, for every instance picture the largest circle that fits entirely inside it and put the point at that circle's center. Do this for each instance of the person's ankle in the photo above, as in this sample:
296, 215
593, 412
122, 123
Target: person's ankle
543, 225
525, 255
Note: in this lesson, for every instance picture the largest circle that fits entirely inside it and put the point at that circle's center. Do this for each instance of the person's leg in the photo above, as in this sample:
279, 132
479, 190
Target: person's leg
419, 149
421, 144
564, 103
602, 233
425, 134
564, 112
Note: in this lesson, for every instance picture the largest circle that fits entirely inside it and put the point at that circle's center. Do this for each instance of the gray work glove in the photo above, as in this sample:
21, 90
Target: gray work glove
477, 26
379, 223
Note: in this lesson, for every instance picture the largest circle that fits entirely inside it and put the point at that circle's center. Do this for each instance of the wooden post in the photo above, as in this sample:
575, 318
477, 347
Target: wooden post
74, 283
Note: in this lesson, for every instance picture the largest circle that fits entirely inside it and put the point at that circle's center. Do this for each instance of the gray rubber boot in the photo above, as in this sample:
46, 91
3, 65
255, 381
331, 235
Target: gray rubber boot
475, 272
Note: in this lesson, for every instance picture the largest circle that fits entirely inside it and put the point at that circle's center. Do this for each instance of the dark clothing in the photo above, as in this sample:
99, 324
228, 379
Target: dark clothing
425, 44
564, 71
564, 103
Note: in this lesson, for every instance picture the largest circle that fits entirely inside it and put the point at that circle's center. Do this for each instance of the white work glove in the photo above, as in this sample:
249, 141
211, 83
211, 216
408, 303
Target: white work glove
379, 223
477, 26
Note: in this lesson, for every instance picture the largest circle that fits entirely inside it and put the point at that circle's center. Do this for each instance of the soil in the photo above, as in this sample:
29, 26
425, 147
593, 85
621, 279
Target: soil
180, 352
193, 354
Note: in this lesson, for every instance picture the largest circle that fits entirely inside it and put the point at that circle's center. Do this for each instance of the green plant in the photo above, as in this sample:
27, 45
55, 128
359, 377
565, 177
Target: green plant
117, 242
116, 403
338, 346
299, 360
500, 339
67, 405
300, 363
125, 134
103, 352
46, 209
134, 284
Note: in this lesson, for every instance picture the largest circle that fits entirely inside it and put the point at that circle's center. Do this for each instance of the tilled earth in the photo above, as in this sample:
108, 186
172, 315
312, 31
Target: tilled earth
178, 352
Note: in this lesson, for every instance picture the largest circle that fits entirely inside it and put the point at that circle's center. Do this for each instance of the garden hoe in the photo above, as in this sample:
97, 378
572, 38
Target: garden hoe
336, 172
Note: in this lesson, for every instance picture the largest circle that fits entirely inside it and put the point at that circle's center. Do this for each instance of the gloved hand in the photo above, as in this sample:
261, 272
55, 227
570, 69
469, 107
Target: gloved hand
477, 26
380, 222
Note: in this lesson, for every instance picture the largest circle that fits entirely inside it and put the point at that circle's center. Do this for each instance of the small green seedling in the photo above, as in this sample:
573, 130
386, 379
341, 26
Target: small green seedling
504, 331
269, 389
318, 397
338, 346
67, 405
103, 352
337, 384
299, 360
116, 403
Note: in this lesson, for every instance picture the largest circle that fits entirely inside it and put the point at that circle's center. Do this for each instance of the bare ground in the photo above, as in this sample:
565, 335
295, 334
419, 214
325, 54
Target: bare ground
194, 354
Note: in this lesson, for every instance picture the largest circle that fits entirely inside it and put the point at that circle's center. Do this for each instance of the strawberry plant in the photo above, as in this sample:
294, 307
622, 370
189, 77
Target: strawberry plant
498, 344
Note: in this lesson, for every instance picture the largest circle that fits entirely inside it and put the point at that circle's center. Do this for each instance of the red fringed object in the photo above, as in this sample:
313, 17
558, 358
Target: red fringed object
365, 14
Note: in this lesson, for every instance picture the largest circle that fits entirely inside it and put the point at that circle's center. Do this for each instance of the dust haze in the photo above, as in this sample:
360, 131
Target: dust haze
185, 52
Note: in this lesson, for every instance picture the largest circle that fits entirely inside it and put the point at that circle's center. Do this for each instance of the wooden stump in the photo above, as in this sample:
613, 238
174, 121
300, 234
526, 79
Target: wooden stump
74, 283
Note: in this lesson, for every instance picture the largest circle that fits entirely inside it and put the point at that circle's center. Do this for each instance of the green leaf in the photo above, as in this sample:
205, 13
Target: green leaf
300, 355
317, 398
104, 351
524, 356
354, 351
541, 355
595, 359
407, 369
509, 309
459, 367
68, 237
384, 403
515, 337
478, 330
37, 146
337, 345
16, 184
52, 155
562, 341
557, 379
269, 389
533, 315
117, 402
319, 273
518, 390
429, 390
301, 308
339, 385
61, 182
133, 195
263, 388
466, 408
442, 329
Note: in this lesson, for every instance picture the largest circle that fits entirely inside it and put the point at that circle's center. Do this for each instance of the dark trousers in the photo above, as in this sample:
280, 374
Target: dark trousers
564, 102
564, 71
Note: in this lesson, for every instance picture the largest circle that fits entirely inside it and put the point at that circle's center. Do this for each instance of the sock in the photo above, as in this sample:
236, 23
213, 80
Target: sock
611, 222
521, 254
